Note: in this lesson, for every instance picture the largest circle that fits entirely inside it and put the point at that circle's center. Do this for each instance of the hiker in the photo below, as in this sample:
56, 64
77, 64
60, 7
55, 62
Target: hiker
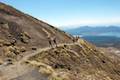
50, 41
54, 40
76, 38
73, 39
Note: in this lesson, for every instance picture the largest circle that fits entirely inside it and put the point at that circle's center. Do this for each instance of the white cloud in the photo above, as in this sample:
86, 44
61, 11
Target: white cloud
92, 22
83, 22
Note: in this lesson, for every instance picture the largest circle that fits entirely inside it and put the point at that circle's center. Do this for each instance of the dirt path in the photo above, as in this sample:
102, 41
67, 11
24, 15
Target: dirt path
18, 69
40, 50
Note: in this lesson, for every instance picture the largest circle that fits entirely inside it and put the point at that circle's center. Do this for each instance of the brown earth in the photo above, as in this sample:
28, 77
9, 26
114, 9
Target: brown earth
25, 31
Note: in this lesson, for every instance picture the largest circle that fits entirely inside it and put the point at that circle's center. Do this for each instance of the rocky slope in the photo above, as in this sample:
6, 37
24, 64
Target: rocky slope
80, 61
25, 32
26, 55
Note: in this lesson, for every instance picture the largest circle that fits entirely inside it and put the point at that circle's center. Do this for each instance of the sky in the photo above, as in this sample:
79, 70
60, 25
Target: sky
67, 13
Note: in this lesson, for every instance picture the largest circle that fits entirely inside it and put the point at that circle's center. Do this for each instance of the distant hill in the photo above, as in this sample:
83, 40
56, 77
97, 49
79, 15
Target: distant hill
101, 36
98, 30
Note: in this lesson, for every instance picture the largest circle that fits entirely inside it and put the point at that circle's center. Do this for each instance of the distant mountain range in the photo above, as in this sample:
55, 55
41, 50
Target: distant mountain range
101, 36
95, 31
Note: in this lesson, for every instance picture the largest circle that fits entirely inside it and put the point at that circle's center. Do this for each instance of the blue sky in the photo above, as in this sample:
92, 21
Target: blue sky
71, 12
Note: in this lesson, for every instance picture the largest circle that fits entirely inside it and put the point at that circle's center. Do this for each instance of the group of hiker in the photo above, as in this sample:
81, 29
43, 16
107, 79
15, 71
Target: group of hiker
53, 40
75, 39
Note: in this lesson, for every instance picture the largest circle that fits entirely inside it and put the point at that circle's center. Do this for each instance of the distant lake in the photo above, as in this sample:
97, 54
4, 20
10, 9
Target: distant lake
111, 34
104, 41
116, 34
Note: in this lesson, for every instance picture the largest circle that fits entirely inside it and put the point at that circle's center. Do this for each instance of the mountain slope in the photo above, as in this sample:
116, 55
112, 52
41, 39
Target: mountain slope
77, 61
26, 55
26, 31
